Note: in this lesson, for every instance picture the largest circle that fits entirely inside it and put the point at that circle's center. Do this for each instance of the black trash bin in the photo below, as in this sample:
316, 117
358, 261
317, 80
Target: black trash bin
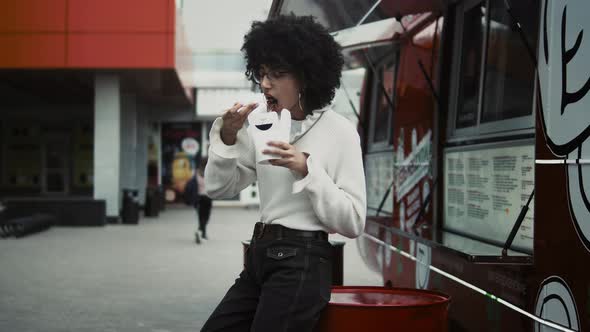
130, 212
152, 202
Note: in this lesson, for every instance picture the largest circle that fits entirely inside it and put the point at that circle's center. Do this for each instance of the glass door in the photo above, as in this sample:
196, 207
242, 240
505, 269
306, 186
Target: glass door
56, 165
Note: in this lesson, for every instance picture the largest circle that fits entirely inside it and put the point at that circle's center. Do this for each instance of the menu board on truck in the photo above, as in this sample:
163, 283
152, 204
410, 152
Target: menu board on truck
379, 177
485, 190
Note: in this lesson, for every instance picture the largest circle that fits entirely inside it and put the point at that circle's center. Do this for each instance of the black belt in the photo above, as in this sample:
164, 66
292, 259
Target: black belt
272, 231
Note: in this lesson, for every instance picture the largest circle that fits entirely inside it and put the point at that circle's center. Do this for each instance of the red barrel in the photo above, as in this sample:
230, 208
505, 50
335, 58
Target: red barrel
375, 309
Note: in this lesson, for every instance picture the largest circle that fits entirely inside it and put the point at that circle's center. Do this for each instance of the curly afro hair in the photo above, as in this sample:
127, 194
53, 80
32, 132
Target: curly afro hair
301, 45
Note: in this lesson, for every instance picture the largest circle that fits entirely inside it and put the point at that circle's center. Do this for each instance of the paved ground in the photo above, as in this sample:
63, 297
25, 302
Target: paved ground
120, 278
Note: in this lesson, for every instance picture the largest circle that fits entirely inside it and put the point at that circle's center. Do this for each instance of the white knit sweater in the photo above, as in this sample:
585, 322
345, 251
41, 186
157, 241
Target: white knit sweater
332, 197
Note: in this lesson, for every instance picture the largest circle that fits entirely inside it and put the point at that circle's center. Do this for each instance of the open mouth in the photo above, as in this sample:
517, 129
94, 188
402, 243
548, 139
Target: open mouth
271, 102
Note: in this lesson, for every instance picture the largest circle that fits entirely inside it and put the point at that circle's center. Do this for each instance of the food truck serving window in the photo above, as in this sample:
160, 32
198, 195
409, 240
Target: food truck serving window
379, 161
494, 79
470, 68
509, 72
383, 100
488, 174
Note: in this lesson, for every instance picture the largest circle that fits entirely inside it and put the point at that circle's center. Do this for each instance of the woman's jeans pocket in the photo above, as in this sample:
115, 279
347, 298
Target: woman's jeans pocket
281, 253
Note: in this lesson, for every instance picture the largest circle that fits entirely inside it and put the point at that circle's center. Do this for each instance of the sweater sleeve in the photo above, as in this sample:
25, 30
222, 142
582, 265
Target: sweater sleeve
230, 168
339, 202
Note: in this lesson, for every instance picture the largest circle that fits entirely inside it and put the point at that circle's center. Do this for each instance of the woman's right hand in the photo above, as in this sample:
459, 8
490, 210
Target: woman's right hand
233, 121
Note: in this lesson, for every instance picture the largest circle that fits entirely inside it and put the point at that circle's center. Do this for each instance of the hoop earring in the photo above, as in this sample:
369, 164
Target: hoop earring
300, 102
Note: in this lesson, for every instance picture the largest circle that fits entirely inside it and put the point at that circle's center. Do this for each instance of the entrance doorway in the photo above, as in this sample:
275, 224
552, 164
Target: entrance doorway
56, 165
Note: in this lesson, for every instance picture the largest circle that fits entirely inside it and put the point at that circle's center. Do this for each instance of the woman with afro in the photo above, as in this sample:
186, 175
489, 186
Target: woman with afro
314, 186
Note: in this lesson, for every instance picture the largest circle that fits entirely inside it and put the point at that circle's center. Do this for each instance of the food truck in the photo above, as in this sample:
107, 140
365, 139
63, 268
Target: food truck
475, 122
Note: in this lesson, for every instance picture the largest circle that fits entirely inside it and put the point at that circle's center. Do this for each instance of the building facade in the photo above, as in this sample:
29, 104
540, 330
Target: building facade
84, 86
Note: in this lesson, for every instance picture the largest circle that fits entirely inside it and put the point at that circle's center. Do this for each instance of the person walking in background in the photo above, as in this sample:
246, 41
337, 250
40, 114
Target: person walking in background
191, 198
204, 202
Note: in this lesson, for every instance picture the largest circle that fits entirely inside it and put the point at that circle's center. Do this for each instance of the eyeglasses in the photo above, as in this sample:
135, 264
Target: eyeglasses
272, 76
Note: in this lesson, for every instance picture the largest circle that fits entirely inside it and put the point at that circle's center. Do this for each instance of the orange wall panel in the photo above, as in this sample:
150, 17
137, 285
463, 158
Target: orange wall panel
32, 15
170, 51
117, 50
32, 50
171, 13
87, 33
118, 15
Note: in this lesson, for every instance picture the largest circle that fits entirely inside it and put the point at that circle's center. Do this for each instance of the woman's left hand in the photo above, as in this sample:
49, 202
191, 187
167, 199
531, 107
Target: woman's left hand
290, 157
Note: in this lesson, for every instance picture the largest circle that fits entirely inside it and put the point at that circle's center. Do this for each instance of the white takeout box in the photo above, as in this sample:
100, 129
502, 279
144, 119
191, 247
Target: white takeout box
267, 126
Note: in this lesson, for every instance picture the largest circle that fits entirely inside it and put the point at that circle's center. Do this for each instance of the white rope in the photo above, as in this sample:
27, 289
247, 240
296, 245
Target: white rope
473, 287
562, 161
369, 13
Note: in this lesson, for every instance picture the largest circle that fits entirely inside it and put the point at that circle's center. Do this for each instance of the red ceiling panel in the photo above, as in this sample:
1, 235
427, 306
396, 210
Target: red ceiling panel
171, 16
170, 57
117, 50
118, 16
87, 33
32, 50
32, 15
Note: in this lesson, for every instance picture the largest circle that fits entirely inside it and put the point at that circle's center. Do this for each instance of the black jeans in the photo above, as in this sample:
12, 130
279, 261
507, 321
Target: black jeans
284, 287
204, 212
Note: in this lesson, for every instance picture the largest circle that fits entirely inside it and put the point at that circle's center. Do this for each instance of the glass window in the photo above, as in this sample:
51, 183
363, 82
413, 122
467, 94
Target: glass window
496, 80
510, 72
379, 160
347, 100
488, 175
379, 175
473, 34
382, 116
